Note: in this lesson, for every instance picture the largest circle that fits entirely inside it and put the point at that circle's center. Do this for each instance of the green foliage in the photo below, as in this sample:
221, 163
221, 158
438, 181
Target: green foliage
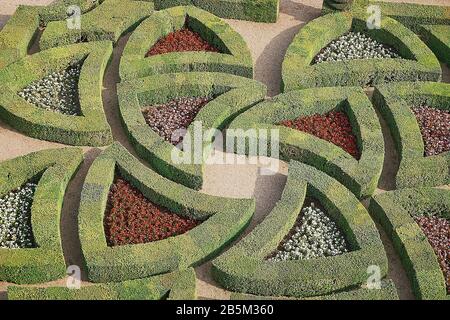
243, 268
89, 129
235, 59
394, 210
46, 261
394, 102
437, 37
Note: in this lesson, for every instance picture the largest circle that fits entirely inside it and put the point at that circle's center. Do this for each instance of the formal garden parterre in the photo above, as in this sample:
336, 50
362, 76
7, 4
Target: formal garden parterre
145, 223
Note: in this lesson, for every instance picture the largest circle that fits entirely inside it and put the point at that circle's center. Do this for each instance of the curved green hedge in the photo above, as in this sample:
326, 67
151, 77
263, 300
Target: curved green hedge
235, 59
252, 10
226, 218
173, 286
89, 129
419, 63
437, 37
394, 102
243, 268
57, 10
234, 95
362, 176
108, 21
394, 210
45, 262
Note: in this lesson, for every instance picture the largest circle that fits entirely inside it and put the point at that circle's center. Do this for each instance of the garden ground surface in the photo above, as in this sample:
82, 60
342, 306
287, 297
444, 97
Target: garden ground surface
267, 43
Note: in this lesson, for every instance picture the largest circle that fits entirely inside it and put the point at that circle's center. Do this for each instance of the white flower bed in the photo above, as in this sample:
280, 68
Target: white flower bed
15, 218
355, 45
315, 236
56, 92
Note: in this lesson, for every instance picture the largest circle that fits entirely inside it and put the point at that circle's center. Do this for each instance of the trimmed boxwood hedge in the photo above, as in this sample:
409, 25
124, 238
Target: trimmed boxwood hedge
233, 95
394, 102
235, 59
395, 211
362, 176
225, 219
298, 72
252, 10
89, 129
55, 168
57, 10
108, 21
173, 286
387, 292
243, 268
437, 37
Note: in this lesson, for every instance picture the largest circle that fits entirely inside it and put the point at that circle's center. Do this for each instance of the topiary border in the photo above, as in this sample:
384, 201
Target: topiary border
108, 21
236, 58
252, 10
394, 102
236, 94
174, 286
437, 37
393, 210
243, 268
226, 218
298, 73
46, 261
362, 176
89, 129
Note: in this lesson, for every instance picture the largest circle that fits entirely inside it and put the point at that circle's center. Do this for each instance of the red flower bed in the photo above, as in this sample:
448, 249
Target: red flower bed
334, 127
131, 218
179, 41
437, 230
435, 128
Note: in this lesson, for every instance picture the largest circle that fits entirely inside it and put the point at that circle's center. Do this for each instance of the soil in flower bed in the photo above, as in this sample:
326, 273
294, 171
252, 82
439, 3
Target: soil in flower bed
57, 92
131, 218
181, 40
314, 235
437, 230
15, 217
333, 127
171, 118
435, 128
355, 45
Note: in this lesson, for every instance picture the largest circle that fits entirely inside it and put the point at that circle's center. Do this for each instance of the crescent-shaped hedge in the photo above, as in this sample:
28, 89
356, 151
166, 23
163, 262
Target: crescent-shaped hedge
395, 211
233, 95
243, 267
297, 71
55, 167
225, 219
437, 37
361, 177
394, 102
235, 59
91, 128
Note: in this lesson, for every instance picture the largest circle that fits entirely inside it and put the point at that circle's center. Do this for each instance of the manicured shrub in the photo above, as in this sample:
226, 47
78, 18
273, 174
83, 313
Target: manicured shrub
233, 57
89, 129
44, 261
395, 103
243, 268
396, 210
418, 63
360, 176
437, 37
233, 96
226, 218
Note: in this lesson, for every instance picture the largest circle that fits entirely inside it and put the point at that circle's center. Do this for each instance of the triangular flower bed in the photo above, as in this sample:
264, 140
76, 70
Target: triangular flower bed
233, 55
232, 95
244, 267
223, 218
301, 71
421, 163
359, 175
30, 116
43, 260
417, 221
